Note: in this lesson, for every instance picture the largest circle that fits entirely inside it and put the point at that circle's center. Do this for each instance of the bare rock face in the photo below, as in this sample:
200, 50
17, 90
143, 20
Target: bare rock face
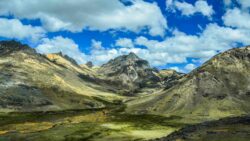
170, 77
130, 72
219, 88
7, 47
89, 64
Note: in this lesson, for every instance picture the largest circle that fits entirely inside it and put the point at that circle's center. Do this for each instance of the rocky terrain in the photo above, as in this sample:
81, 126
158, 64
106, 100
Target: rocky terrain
170, 77
33, 82
219, 88
131, 73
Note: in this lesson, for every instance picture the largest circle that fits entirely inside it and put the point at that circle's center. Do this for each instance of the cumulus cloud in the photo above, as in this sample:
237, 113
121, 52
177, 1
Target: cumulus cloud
178, 48
188, 9
65, 45
171, 50
13, 28
96, 44
99, 55
124, 42
76, 15
227, 2
237, 18
176, 69
190, 67
244, 3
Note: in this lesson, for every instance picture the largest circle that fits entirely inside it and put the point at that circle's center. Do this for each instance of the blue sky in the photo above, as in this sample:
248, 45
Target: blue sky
175, 34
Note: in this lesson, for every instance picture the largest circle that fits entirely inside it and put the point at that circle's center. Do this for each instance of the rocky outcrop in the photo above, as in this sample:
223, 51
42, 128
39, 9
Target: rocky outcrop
170, 77
7, 47
130, 72
89, 64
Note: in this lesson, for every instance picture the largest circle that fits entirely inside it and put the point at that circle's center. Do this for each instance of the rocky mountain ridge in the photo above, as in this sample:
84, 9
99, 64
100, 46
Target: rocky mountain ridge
219, 88
33, 82
131, 71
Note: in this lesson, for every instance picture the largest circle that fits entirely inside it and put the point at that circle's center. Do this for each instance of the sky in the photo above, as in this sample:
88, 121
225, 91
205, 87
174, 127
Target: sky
170, 34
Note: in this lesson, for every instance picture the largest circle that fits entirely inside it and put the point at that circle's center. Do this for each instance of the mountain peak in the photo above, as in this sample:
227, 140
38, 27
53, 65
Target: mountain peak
132, 55
218, 86
12, 45
131, 71
53, 56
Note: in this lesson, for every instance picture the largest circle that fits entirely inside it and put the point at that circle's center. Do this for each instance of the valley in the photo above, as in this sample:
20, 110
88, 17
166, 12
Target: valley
106, 125
84, 125
51, 97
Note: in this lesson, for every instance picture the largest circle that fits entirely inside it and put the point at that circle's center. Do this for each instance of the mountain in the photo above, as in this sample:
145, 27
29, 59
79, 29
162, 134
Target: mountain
130, 73
30, 81
33, 82
219, 88
170, 77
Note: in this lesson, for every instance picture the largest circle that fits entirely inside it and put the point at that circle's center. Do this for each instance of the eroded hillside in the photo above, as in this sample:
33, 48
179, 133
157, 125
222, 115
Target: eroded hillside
30, 81
217, 89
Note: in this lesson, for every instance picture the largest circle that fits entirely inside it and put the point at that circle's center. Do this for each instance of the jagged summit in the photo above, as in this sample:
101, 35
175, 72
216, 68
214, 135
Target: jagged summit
89, 64
132, 72
132, 55
12, 45
73, 61
131, 58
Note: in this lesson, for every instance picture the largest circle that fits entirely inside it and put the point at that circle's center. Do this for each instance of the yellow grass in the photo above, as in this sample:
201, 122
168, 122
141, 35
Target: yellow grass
3, 132
29, 127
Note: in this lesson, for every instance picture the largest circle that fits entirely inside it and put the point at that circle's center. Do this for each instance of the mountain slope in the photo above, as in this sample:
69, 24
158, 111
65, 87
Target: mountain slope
130, 72
219, 88
30, 81
170, 77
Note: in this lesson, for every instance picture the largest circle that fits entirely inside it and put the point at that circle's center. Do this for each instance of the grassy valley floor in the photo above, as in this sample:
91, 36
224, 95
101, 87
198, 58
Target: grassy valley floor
84, 125
107, 125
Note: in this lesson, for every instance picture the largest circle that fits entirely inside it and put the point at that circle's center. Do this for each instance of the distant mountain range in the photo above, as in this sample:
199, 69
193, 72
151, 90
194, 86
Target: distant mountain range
30, 81
33, 82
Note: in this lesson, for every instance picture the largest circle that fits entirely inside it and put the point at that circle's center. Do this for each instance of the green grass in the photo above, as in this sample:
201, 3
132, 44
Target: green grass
94, 125
84, 125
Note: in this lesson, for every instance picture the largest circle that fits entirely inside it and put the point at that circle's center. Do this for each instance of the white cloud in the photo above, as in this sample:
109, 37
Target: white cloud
244, 3
124, 42
76, 15
175, 49
201, 47
170, 5
237, 18
177, 69
64, 45
188, 9
227, 2
190, 67
13, 28
96, 44
178, 48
